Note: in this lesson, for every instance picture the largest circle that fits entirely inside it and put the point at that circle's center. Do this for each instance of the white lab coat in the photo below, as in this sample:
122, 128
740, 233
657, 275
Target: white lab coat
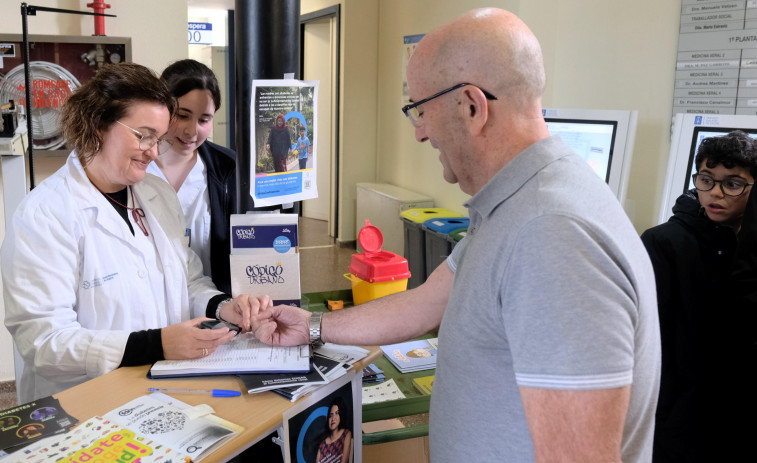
72, 278
195, 202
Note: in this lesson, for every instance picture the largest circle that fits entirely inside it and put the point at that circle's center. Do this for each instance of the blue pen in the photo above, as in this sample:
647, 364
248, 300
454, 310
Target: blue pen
213, 392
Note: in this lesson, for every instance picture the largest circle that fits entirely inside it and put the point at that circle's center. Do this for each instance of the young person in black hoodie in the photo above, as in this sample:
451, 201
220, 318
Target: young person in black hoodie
704, 346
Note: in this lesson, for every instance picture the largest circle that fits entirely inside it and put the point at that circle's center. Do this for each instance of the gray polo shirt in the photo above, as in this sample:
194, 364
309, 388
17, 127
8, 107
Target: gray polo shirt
553, 289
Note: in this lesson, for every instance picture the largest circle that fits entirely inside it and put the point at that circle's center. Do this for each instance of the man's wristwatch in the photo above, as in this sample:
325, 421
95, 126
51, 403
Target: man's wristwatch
218, 309
315, 328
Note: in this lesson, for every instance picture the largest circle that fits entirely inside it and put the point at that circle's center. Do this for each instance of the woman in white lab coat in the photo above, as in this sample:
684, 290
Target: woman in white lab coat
96, 268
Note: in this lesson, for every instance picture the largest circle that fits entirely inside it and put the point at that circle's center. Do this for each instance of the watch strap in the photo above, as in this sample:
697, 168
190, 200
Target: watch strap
218, 309
316, 320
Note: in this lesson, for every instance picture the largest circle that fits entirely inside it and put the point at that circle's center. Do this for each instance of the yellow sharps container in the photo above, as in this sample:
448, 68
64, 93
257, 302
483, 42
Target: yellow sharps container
375, 273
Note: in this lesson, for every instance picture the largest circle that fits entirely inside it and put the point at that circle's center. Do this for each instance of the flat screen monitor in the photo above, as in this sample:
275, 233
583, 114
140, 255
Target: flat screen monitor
688, 132
603, 138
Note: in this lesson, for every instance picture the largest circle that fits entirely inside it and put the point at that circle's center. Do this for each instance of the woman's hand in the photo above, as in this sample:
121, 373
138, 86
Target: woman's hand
186, 340
242, 308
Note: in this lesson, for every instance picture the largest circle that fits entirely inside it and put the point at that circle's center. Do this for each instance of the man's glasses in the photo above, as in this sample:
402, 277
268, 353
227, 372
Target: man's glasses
729, 186
411, 110
146, 142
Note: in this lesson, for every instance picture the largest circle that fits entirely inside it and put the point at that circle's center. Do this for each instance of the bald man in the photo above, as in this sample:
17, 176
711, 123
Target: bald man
548, 338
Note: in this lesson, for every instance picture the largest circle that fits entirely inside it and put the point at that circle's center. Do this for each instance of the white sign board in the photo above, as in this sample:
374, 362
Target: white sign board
200, 33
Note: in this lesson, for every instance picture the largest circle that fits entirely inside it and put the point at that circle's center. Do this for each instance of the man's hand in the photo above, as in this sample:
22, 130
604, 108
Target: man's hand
242, 308
282, 325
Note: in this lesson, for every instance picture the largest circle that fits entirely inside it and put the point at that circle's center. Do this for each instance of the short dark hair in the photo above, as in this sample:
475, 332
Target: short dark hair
104, 99
735, 149
186, 75
302, 128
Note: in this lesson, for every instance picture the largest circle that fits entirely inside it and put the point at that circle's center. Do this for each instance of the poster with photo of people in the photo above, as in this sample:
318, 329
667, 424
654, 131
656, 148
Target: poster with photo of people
284, 137
322, 428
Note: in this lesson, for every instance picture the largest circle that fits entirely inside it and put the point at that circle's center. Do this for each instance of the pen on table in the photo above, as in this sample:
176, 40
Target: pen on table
212, 392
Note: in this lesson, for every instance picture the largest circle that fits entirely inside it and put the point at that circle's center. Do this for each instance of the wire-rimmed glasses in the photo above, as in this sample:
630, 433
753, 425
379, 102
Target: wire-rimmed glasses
146, 142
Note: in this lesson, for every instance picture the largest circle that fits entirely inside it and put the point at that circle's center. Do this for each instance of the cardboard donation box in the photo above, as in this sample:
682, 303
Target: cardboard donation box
264, 257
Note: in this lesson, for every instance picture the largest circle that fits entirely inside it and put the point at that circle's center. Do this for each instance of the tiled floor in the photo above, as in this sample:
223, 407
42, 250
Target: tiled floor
322, 265
322, 262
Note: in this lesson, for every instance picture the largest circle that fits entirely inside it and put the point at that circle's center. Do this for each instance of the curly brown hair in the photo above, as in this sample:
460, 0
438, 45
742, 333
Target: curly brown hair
104, 99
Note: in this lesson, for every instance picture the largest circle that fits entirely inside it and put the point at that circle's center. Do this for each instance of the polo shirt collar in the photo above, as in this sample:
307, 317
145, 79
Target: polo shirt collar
516, 173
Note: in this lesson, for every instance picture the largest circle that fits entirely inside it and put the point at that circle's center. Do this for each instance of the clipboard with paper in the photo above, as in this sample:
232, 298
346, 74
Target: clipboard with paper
243, 354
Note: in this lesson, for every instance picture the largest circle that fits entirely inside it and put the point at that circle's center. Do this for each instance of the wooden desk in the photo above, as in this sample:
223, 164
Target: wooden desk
259, 414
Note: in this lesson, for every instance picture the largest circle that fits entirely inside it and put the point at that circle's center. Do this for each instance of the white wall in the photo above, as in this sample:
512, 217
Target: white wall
147, 22
604, 55
617, 55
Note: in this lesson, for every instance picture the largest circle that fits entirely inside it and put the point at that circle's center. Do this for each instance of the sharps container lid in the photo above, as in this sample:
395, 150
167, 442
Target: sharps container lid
370, 238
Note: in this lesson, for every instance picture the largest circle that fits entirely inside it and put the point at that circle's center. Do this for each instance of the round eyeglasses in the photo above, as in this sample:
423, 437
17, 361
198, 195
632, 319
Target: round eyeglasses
146, 142
729, 186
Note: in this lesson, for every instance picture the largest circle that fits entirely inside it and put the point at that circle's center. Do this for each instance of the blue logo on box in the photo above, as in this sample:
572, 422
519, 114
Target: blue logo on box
282, 244
279, 237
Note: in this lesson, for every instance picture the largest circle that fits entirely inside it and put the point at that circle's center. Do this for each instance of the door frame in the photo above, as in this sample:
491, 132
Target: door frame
330, 12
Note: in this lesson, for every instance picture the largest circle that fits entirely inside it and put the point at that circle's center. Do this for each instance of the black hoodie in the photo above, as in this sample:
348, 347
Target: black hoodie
703, 359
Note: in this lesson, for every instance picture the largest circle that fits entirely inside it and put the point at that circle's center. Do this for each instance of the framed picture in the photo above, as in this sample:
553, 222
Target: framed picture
322, 427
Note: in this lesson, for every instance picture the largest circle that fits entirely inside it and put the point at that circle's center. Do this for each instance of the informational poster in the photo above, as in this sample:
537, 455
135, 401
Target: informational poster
323, 426
285, 141
409, 43
716, 69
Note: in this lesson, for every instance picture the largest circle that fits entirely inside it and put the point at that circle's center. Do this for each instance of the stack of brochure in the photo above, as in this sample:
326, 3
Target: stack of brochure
30, 422
329, 362
329, 369
373, 374
424, 384
412, 355
151, 428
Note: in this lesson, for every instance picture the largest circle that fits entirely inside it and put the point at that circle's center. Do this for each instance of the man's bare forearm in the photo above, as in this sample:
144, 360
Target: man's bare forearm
394, 318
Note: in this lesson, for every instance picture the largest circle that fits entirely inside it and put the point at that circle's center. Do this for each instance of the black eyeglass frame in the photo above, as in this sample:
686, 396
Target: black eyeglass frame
407, 108
694, 179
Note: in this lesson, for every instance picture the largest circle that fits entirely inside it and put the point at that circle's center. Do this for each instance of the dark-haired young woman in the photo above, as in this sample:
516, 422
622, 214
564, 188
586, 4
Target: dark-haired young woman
202, 173
336, 446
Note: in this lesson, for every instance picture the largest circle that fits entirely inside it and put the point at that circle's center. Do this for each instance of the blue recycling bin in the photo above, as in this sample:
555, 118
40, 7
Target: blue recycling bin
415, 237
438, 239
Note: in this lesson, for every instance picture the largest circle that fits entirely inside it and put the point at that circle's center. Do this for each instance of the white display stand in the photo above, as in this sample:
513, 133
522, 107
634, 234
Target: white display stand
382, 203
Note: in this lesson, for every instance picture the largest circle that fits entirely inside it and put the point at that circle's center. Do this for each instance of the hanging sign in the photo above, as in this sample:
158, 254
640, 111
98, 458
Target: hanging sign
200, 33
